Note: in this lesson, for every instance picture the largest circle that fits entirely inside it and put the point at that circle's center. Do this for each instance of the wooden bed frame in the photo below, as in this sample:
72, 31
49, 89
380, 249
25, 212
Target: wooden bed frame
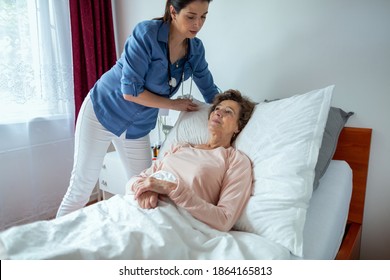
354, 147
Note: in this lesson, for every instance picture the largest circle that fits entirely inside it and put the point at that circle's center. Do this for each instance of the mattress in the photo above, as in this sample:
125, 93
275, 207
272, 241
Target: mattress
328, 212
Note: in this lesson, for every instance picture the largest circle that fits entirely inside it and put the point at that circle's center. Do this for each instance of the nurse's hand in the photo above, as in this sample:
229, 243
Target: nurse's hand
184, 104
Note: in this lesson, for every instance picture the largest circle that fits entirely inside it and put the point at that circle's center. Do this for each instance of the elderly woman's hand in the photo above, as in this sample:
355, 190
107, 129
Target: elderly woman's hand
151, 184
148, 200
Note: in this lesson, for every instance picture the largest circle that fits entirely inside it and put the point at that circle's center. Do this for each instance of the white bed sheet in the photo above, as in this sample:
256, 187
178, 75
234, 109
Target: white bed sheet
118, 229
328, 212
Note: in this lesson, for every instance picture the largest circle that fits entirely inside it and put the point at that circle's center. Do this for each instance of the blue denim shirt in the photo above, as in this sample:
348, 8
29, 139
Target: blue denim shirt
143, 65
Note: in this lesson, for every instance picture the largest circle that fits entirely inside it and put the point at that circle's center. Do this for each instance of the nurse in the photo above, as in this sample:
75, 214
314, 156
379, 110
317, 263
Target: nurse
122, 107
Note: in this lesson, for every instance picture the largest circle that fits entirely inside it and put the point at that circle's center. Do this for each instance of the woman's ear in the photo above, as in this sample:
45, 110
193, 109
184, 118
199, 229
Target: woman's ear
238, 129
173, 12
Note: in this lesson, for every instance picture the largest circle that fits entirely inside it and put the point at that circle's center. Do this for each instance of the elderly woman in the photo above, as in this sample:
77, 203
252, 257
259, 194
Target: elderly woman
212, 181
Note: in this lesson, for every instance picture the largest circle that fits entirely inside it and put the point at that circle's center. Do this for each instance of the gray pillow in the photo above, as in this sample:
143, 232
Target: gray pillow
335, 123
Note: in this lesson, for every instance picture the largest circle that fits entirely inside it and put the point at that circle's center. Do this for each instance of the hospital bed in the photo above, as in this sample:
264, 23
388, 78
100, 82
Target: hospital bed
285, 218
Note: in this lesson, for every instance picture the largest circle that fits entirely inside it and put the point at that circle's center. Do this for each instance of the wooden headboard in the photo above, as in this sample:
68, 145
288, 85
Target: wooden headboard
354, 147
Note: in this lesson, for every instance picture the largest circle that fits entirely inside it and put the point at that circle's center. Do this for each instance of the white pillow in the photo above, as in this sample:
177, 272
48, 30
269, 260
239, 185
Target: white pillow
190, 127
282, 139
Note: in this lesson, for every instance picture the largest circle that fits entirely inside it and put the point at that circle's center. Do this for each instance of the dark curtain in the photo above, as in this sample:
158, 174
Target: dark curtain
93, 44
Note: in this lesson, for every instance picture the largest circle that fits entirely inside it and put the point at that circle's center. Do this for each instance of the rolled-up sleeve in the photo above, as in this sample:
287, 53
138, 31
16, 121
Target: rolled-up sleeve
136, 59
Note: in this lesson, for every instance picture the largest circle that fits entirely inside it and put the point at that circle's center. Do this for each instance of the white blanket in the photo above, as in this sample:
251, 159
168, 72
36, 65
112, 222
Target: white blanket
118, 229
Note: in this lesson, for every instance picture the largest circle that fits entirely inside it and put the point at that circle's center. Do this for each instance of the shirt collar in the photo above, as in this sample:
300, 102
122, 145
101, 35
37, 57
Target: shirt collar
163, 32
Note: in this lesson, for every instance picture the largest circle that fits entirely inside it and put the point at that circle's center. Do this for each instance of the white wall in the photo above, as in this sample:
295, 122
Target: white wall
36, 159
272, 49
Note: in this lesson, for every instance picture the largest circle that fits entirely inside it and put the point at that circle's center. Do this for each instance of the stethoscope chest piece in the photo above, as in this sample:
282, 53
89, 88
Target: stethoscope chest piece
173, 82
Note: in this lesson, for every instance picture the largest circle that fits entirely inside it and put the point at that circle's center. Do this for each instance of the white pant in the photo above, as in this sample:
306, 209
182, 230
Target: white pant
91, 143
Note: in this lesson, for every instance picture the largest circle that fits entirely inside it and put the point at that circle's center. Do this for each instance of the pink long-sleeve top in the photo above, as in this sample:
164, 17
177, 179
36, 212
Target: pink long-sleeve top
213, 185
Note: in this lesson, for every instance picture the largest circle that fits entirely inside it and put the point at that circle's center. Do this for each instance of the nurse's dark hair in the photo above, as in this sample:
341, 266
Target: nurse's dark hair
246, 107
178, 5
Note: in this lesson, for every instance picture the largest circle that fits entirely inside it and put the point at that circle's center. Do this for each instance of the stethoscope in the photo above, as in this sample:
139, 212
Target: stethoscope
172, 80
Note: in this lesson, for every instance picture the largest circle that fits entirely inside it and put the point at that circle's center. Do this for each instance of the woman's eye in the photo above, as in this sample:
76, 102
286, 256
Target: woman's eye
226, 111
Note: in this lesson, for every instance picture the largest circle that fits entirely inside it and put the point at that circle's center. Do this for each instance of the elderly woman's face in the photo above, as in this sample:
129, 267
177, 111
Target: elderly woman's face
225, 117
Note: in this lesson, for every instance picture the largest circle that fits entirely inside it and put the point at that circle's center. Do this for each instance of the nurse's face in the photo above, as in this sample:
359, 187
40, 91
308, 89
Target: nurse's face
189, 20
